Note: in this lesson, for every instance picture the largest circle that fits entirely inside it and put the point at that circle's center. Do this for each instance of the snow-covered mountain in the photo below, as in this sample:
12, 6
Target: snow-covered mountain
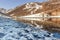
43, 10
34, 8
26, 9
3, 10
9, 10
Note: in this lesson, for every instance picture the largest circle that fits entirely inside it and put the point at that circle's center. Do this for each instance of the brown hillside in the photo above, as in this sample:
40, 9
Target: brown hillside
51, 8
46, 6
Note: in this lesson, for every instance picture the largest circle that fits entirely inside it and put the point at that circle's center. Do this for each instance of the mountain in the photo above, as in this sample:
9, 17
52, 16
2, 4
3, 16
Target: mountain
34, 8
43, 9
3, 10
24, 9
54, 0
9, 10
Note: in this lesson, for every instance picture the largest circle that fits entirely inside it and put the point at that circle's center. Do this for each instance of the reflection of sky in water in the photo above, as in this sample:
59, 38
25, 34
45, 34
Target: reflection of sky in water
12, 30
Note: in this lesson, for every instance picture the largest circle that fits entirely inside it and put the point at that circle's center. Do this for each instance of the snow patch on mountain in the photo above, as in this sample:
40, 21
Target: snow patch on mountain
31, 6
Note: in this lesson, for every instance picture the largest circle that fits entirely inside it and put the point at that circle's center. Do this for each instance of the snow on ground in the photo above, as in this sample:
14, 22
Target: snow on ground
13, 30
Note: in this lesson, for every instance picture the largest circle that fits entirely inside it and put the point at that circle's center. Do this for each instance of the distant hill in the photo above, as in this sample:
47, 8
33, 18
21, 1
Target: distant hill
3, 10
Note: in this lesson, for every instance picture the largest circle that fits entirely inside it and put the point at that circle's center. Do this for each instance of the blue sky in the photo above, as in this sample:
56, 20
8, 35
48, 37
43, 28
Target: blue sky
8, 4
